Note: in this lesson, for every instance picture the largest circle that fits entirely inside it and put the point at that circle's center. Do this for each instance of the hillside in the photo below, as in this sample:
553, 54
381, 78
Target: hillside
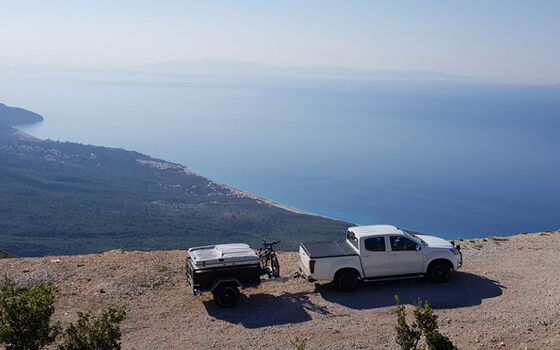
69, 198
505, 296
4, 255
10, 116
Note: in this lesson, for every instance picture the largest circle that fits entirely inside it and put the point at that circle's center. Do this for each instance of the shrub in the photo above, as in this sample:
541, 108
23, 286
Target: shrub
426, 323
25, 315
407, 336
6, 255
299, 343
95, 333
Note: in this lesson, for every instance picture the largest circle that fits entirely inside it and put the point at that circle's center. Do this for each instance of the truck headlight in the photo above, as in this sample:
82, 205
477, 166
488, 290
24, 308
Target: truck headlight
454, 251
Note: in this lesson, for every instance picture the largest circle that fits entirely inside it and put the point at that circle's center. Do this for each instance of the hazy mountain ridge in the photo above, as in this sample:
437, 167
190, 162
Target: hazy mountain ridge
249, 68
69, 198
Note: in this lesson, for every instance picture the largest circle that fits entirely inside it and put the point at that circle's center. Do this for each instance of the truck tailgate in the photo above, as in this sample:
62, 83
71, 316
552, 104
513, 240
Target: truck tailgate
327, 249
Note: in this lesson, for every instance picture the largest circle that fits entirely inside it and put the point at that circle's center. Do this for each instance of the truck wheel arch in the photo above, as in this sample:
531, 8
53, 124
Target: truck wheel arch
435, 263
346, 270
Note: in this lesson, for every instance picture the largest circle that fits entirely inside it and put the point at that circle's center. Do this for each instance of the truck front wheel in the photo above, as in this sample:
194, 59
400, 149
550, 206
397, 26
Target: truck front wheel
439, 272
226, 295
346, 280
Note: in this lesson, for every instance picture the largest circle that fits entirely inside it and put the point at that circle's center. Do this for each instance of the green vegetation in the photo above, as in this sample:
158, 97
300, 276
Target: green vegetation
498, 239
162, 269
25, 315
67, 198
95, 333
425, 323
299, 343
4, 255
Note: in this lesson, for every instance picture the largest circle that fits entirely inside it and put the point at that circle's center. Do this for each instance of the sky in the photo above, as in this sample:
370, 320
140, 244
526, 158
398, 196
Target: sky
491, 39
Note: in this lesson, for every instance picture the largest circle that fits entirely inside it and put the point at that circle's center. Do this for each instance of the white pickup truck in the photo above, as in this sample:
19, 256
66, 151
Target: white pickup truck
379, 252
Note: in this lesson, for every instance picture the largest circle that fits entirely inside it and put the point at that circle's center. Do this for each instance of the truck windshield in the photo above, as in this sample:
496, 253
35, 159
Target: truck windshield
351, 237
414, 234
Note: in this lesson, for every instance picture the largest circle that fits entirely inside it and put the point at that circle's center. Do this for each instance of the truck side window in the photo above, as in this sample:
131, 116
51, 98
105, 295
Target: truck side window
375, 244
399, 243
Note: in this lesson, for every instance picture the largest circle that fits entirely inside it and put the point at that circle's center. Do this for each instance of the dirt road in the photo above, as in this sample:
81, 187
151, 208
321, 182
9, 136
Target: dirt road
505, 296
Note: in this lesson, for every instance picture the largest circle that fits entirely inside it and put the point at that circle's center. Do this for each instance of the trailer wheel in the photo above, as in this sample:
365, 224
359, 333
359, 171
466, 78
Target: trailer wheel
226, 295
346, 280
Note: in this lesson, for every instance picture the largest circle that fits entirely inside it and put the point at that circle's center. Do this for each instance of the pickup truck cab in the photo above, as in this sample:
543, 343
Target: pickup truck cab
379, 252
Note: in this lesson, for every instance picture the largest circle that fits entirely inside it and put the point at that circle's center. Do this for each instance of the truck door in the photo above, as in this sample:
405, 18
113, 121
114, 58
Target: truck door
374, 256
405, 256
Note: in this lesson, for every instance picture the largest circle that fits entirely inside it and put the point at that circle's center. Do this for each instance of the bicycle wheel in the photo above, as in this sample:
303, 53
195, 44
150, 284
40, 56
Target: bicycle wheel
275, 265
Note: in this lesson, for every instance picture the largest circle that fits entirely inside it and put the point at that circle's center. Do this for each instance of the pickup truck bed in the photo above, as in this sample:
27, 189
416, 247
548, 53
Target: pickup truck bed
327, 249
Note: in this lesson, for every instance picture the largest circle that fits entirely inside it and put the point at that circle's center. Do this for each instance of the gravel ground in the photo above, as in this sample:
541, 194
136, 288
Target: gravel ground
505, 296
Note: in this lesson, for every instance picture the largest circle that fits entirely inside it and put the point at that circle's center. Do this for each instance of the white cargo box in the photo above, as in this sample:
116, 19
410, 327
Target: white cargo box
223, 255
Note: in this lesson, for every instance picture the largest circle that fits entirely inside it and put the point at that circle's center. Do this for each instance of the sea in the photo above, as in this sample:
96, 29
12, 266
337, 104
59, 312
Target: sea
460, 158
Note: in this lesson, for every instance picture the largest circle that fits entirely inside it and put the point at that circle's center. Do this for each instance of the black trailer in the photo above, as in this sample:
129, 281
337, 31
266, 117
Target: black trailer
222, 270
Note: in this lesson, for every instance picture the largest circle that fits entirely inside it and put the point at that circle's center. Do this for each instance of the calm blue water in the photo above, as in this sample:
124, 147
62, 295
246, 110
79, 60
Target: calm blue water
461, 159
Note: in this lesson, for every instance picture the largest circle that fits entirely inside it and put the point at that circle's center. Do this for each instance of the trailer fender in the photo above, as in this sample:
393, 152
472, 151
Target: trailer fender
220, 281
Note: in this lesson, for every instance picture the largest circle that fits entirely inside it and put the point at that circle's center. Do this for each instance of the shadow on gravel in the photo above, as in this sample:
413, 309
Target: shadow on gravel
464, 289
263, 310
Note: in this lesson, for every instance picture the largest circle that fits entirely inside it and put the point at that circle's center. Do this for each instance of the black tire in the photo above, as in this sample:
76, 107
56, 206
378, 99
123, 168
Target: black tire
346, 280
275, 265
226, 295
440, 272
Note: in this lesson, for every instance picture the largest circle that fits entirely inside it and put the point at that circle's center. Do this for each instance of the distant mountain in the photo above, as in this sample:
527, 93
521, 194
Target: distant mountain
225, 68
69, 198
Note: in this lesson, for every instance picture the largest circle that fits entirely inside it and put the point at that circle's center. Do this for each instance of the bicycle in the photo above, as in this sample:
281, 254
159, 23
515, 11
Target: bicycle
269, 260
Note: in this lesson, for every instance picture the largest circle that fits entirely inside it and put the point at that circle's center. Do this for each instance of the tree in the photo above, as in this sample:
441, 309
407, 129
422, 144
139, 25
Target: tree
25, 314
95, 333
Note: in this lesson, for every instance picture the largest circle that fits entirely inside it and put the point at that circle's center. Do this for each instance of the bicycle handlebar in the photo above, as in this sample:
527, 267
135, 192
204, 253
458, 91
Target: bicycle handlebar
270, 243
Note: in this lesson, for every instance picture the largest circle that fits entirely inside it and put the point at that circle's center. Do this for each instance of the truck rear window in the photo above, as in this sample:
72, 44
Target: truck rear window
351, 237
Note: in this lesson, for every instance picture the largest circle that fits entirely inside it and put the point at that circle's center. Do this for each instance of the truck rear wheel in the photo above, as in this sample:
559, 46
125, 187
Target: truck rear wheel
226, 295
439, 272
346, 280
